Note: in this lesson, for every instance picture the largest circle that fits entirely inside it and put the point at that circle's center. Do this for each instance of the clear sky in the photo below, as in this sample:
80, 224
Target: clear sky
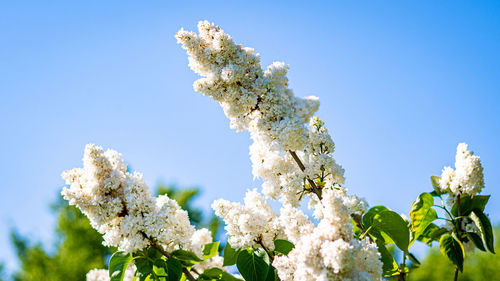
400, 85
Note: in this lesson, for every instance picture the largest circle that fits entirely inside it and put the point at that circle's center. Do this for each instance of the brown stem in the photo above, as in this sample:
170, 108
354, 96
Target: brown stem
259, 241
155, 245
158, 247
402, 272
357, 220
456, 274
163, 252
314, 188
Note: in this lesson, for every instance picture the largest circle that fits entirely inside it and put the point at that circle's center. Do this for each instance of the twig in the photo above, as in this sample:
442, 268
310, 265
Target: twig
357, 220
163, 252
155, 245
402, 272
314, 188
259, 241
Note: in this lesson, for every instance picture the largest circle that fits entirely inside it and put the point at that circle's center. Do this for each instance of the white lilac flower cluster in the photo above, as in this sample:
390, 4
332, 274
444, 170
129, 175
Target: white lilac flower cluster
103, 274
254, 99
119, 205
467, 178
260, 101
249, 225
327, 251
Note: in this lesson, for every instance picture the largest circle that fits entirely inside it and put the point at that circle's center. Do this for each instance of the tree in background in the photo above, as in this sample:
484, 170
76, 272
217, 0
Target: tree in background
78, 247
2, 272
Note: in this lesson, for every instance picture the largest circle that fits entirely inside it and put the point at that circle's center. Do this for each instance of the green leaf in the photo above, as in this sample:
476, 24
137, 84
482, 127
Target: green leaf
427, 232
215, 274
187, 258
230, 255
435, 184
422, 214
211, 274
389, 266
395, 227
152, 253
144, 268
210, 250
382, 235
467, 204
370, 214
476, 239
432, 233
252, 265
160, 267
436, 234
367, 221
283, 246
272, 275
118, 264
174, 267
452, 248
484, 224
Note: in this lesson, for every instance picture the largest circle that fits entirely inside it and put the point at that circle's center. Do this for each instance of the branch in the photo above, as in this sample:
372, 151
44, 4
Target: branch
357, 221
163, 252
402, 272
259, 241
314, 188
155, 245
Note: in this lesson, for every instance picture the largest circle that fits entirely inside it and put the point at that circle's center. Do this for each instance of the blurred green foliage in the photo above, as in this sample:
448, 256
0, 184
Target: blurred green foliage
2, 272
479, 266
78, 247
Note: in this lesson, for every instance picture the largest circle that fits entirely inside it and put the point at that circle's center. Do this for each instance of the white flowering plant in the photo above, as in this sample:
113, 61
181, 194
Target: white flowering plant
292, 153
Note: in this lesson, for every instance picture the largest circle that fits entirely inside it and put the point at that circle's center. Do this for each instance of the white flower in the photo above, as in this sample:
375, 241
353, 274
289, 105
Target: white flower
98, 275
467, 178
295, 223
250, 224
216, 261
103, 274
119, 205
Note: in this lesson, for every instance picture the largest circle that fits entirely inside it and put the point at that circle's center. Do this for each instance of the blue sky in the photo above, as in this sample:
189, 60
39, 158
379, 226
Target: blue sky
400, 85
